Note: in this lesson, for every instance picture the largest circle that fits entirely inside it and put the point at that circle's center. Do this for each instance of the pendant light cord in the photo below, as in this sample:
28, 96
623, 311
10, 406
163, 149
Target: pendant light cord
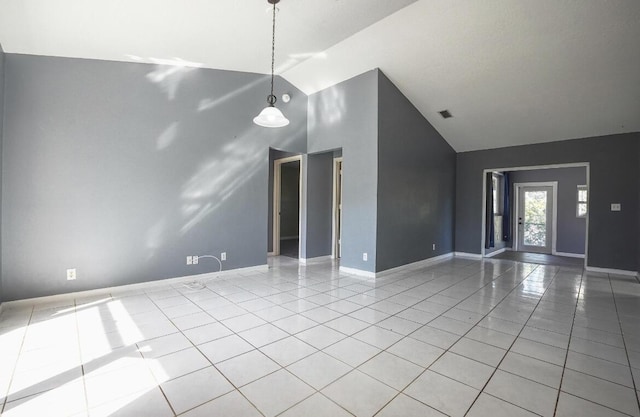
272, 99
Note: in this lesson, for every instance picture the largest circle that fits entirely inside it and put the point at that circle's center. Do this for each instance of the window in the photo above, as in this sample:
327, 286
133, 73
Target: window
583, 198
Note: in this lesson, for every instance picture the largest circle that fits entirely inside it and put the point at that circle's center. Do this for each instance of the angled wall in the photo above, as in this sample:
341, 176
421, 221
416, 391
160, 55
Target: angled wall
416, 183
121, 170
614, 175
346, 116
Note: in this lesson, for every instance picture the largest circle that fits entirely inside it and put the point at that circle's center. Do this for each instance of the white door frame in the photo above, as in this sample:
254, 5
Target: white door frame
277, 175
334, 210
530, 168
554, 214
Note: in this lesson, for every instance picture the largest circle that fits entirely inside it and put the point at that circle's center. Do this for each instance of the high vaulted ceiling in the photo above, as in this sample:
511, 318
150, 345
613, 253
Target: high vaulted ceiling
510, 71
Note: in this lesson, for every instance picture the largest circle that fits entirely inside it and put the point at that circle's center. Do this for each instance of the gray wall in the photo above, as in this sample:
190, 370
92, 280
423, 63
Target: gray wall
319, 215
614, 173
346, 116
2, 64
121, 170
290, 200
571, 231
416, 183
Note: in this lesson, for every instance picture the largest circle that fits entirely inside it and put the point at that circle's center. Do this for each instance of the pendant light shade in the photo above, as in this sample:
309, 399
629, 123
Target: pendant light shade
271, 116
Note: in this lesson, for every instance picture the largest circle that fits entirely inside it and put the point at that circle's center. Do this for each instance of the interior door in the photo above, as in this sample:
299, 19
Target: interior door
535, 219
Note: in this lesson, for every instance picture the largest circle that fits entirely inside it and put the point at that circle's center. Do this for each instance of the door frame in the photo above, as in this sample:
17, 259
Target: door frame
554, 214
277, 185
334, 208
483, 186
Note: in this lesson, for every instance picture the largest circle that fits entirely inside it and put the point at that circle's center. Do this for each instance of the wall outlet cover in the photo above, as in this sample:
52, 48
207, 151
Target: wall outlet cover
223, 256
195, 260
71, 274
189, 260
616, 207
365, 256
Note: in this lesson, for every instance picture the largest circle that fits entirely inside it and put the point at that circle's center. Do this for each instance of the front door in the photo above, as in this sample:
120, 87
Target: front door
535, 219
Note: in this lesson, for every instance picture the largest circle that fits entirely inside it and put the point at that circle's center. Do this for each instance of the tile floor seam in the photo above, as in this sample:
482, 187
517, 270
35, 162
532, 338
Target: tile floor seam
626, 351
566, 355
15, 366
516, 338
461, 337
84, 382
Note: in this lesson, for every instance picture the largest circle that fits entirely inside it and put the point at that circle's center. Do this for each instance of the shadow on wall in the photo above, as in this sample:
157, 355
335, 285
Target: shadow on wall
215, 180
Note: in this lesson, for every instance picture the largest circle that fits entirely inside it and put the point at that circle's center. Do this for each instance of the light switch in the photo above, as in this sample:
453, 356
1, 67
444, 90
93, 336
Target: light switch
616, 207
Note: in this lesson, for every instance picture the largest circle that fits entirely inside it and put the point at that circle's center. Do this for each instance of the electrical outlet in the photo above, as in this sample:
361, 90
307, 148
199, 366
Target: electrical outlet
189, 260
223, 256
71, 274
433, 247
616, 207
365, 257
194, 259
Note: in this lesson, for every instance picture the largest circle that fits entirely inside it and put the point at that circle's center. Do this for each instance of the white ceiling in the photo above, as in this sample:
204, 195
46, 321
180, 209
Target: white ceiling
510, 71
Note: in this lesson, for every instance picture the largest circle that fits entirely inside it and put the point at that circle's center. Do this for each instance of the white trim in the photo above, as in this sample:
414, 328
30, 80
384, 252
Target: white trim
415, 265
586, 165
611, 271
275, 232
317, 259
357, 272
554, 215
494, 253
271, 254
334, 208
570, 255
467, 255
137, 286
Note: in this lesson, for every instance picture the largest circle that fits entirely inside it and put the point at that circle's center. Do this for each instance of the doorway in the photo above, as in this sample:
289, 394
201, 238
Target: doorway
286, 206
336, 251
536, 219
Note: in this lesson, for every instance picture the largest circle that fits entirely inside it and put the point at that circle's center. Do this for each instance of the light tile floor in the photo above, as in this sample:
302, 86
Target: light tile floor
459, 338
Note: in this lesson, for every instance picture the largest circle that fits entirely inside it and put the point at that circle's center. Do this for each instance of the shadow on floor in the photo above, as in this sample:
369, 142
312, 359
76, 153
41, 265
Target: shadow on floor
289, 248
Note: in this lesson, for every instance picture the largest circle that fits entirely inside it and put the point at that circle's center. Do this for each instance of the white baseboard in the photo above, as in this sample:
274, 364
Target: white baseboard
357, 272
467, 255
494, 253
317, 259
271, 254
612, 271
137, 286
569, 254
415, 265
408, 267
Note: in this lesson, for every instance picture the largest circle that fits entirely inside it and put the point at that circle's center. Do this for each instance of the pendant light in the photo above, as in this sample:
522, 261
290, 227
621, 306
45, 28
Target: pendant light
271, 116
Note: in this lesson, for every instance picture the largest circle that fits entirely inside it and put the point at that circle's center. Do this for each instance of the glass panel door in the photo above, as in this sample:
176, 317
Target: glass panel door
535, 219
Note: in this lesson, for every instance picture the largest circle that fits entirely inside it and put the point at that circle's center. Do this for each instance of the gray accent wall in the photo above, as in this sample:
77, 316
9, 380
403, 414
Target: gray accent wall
416, 183
319, 213
346, 116
2, 64
571, 231
614, 175
121, 170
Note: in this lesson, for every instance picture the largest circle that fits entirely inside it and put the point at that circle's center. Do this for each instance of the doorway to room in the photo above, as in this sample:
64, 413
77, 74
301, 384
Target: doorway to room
286, 207
536, 211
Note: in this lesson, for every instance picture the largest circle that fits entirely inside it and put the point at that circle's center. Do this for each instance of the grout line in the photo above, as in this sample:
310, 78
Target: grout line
626, 351
566, 355
514, 342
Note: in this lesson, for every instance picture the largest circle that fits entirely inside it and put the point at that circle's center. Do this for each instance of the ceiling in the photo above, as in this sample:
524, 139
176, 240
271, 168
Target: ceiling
510, 71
